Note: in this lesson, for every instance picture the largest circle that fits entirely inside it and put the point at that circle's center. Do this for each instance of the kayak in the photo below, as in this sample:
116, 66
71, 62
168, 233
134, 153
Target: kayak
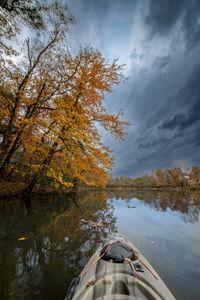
118, 271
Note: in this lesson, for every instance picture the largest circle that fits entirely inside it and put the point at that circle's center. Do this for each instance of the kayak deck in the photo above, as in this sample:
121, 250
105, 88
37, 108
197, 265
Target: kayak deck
104, 278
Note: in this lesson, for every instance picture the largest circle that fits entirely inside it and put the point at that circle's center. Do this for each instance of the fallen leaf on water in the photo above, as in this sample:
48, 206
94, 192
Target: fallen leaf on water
93, 224
83, 220
21, 238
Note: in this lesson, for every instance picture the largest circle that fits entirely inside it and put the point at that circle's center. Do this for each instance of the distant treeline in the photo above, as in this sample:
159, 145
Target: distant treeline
183, 176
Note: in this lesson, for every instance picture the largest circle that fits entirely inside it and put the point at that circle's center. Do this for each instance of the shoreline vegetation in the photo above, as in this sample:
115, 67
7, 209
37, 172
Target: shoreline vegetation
177, 179
15, 192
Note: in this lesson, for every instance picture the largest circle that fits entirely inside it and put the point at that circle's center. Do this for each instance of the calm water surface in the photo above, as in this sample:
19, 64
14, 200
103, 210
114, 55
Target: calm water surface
57, 244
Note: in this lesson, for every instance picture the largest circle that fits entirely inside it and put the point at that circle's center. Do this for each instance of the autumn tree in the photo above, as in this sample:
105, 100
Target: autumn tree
37, 15
159, 177
51, 102
50, 110
195, 174
147, 179
183, 165
139, 181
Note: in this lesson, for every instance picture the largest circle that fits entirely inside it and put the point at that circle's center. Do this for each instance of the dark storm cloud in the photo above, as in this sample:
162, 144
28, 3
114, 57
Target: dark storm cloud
182, 121
163, 15
190, 96
159, 42
153, 142
191, 25
169, 119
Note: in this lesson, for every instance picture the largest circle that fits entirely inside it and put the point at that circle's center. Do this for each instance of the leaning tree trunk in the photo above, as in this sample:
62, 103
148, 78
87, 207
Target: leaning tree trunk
35, 178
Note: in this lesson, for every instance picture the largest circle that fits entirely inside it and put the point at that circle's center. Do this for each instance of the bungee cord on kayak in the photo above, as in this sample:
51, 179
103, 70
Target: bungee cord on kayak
134, 258
116, 271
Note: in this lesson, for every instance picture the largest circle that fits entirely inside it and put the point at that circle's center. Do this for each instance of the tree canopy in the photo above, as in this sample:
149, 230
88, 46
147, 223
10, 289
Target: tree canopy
52, 103
35, 14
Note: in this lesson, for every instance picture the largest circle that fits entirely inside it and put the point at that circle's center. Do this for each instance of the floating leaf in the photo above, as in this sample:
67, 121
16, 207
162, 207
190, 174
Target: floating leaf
21, 238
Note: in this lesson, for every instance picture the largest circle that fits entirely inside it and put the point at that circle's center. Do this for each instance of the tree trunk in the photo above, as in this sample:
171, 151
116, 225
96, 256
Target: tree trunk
8, 157
35, 178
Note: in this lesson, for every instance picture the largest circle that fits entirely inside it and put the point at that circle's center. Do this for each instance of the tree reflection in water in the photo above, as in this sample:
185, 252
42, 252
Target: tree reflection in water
187, 204
56, 246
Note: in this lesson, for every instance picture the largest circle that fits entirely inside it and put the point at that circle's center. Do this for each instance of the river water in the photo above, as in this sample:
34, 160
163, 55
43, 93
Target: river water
45, 241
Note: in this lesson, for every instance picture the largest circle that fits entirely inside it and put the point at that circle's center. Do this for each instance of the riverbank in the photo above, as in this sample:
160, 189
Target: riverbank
12, 189
158, 188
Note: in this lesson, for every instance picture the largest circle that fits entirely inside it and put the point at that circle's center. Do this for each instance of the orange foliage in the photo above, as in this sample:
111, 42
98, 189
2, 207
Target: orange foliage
49, 115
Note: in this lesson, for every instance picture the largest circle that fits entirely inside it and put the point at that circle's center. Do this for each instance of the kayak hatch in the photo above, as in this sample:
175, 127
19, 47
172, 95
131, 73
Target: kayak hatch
118, 270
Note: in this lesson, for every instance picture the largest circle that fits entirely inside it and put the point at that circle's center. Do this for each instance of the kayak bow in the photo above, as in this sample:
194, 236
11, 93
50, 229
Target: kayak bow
118, 270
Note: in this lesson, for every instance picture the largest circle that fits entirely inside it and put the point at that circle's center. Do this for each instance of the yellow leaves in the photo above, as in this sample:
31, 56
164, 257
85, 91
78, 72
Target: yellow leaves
22, 239
57, 178
57, 114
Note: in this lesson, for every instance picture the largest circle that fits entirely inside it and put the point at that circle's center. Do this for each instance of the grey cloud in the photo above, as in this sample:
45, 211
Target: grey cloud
153, 142
163, 15
191, 25
134, 166
176, 121
182, 121
145, 161
198, 142
161, 62
103, 15
192, 139
136, 55
190, 97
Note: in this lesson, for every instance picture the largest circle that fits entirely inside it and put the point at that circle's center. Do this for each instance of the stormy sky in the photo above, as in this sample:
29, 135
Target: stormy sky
159, 41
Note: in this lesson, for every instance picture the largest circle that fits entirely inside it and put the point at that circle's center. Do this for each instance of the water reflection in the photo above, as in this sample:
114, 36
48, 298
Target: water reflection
165, 227
187, 204
57, 245
55, 249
